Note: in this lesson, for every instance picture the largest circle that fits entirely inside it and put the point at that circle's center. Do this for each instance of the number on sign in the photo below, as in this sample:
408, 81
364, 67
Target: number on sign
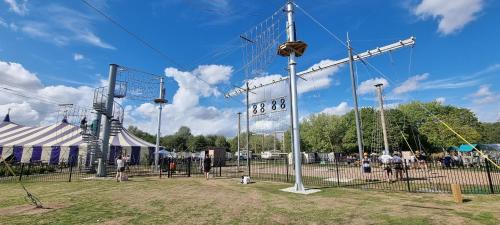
273, 102
254, 106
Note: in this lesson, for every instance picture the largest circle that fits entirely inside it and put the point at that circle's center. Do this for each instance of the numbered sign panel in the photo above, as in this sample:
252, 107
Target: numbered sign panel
270, 106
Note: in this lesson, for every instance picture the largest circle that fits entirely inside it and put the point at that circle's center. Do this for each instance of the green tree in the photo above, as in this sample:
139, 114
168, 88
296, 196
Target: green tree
197, 143
141, 134
221, 142
490, 133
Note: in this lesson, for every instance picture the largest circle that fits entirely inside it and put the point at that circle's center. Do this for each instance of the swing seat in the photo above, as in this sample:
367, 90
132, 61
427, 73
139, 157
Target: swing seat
285, 49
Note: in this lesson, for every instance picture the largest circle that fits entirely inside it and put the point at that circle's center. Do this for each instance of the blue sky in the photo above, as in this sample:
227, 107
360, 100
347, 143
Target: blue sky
61, 50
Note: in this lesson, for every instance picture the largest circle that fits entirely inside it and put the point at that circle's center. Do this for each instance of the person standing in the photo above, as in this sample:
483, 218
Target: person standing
120, 167
367, 169
398, 165
207, 165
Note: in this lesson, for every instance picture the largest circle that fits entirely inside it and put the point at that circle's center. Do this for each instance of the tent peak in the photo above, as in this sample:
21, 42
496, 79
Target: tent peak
7, 117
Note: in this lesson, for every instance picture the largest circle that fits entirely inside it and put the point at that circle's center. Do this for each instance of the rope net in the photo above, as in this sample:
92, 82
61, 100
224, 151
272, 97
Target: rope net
259, 44
136, 85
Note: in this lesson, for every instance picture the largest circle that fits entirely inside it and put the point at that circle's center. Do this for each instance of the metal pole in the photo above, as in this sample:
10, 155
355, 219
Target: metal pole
248, 132
158, 132
295, 112
382, 118
359, 133
239, 133
107, 122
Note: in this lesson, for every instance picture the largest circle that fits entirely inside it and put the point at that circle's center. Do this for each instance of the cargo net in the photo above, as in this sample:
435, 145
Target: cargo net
269, 111
260, 43
136, 85
393, 132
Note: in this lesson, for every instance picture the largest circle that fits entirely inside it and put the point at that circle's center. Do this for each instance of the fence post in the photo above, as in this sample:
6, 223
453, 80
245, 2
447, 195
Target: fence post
407, 177
70, 171
337, 169
189, 167
161, 169
21, 173
489, 176
29, 166
287, 166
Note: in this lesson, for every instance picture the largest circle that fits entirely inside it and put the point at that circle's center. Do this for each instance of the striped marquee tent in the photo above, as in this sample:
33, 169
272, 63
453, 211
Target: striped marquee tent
63, 142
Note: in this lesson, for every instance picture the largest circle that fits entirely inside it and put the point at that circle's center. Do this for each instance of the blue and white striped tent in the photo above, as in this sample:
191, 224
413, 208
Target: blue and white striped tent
63, 142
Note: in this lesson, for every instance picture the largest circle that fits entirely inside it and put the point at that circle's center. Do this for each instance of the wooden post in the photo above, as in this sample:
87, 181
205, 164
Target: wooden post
457, 193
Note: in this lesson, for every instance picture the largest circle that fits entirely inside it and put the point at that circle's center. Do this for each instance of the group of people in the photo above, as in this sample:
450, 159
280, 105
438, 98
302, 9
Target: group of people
390, 163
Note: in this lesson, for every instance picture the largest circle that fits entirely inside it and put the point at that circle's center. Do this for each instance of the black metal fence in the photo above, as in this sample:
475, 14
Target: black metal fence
39, 171
429, 176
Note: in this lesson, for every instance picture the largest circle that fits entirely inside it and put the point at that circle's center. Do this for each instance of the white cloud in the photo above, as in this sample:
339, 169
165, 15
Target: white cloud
452, 15
191, 88
368, 86
14, 74
61, 26
339, 110
413, 83
213, 74
440, 100
18, 7
419, 82
485, 104
185, 108
20, 112
3, 23
31, 102
485, 96
78, 57
318, 80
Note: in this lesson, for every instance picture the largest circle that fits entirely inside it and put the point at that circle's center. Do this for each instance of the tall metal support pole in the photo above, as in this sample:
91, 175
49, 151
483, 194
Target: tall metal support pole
359, 132
295, 111
158, 131
249, 155
382, 117
239, 133
107, 121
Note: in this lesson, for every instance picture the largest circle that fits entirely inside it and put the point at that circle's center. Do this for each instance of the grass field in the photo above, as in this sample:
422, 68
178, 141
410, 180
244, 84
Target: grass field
225, 201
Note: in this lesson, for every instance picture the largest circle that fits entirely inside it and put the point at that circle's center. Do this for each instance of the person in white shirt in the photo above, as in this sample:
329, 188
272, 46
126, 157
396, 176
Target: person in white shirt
120, 167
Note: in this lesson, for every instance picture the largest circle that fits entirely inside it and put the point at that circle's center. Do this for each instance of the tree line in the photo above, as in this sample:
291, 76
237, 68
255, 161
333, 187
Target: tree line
413, 125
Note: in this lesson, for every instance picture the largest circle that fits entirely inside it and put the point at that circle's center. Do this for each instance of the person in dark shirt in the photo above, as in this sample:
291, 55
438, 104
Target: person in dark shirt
207, 165
83, 125
367, 169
